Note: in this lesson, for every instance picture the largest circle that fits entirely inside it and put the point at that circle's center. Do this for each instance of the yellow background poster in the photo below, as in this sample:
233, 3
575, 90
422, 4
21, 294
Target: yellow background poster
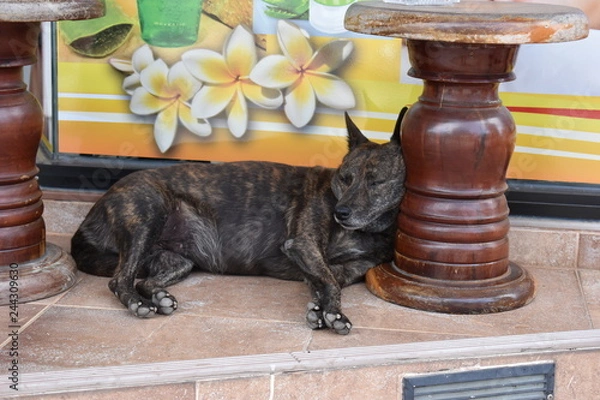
236, 104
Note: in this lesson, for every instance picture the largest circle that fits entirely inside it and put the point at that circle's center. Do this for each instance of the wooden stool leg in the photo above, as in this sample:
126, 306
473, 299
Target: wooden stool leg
35, 269
452, 244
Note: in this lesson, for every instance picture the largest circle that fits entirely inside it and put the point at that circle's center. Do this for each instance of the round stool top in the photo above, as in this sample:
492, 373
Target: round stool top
49, 10
470, 22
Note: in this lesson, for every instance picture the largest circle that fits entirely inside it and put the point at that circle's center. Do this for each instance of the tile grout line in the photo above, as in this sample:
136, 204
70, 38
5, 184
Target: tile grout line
308, 342
577, 249
585, 299
84, 307
26, 325
134, 348
580, 281
45, 308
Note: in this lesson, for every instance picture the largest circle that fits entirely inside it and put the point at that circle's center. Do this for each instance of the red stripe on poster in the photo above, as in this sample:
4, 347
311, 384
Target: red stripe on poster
567, 112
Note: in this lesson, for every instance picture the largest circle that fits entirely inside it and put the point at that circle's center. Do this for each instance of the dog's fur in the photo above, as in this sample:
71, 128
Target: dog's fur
325, 226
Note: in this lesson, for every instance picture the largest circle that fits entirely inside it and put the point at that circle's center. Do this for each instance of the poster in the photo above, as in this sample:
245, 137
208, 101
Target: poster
262, 80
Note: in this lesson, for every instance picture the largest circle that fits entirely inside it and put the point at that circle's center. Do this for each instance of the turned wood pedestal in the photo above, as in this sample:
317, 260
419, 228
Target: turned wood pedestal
451, 252
30, 268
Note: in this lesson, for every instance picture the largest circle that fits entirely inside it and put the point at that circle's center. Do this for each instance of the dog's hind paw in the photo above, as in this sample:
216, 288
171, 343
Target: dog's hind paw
142, 309
164, 302
314, 316
338, 322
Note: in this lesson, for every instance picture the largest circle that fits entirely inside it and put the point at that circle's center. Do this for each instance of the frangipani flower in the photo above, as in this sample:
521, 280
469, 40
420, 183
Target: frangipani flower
140, 59
305, 74
165, 92
227, 83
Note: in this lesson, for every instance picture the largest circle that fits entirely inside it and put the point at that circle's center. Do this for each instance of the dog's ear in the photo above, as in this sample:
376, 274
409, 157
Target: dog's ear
355, 136
396, 137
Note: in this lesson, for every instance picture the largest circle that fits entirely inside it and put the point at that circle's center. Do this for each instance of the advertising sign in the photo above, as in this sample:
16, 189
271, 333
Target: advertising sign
224, 80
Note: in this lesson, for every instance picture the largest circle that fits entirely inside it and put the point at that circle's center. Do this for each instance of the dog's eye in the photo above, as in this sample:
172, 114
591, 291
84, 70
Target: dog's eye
346, 179
377, 183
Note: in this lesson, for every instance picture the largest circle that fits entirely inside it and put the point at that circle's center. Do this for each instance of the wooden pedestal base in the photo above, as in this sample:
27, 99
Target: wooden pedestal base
504, 293
452, 246
46, 276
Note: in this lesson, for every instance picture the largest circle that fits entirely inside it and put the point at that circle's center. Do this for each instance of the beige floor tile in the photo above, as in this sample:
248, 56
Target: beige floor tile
594, 310
64, 216
258, 388
589, 251
367, 383
91, 291
590, 283
69, 337
544, 248
242, 297
359, 337
577, 376
184, 337
210, 295
66, 337
62, 240
184, 391
18, 316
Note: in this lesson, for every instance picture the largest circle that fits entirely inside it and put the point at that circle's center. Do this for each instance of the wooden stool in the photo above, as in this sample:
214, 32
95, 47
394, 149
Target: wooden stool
30, 269
452, 246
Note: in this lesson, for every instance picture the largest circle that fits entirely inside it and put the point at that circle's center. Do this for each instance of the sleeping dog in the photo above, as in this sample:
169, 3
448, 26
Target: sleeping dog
324, 226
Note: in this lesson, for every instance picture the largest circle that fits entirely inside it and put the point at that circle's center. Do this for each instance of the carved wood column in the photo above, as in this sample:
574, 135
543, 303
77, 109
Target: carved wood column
29, 267
451, 252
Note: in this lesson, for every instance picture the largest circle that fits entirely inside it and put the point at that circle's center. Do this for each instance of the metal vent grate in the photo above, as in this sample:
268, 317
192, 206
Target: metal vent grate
522, 382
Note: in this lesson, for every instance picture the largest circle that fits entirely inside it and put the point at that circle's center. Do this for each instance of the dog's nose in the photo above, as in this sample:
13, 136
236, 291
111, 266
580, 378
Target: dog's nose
342, 213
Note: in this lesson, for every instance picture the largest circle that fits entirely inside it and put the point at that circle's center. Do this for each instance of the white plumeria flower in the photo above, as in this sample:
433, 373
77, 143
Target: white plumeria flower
165, 92
227, 83
305, 74
140, 59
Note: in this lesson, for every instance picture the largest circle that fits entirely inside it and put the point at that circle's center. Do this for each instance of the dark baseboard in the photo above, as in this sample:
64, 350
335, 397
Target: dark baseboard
554, 199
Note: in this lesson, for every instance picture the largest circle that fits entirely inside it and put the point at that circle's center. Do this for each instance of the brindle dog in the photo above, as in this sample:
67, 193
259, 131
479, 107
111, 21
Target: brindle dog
324, 226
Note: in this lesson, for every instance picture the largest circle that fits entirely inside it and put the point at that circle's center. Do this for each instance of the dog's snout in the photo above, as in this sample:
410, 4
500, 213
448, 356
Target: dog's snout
342, 213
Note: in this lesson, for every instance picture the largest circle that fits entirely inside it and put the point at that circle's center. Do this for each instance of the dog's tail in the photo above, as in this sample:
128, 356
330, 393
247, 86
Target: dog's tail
90, 258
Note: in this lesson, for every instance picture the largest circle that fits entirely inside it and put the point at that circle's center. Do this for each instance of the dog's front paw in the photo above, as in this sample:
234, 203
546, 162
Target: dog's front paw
314, 316
164, 302
317, 319
338, 322
142, 308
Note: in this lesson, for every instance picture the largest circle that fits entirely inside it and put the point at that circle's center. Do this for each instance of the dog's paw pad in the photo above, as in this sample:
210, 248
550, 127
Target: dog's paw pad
342, 328
314, 320
338, 322
288, 244
142, 310
164, 302
314, 316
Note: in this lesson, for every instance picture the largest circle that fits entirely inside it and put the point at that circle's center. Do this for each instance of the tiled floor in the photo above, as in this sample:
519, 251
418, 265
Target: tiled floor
222, 316
227, 316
